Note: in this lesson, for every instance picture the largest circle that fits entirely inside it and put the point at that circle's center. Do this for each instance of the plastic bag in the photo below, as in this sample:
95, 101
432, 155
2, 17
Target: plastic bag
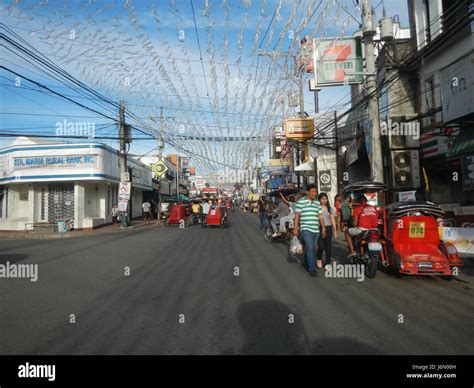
295, 246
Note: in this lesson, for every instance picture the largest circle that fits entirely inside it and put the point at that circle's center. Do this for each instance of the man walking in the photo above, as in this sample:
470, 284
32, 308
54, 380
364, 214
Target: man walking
146, 206
308, 219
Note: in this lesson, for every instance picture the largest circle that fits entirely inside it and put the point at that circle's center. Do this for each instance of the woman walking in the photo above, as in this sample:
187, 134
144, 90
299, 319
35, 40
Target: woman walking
325, 244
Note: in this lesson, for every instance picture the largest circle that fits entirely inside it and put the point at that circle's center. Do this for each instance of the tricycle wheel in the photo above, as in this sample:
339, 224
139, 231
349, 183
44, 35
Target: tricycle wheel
371, 267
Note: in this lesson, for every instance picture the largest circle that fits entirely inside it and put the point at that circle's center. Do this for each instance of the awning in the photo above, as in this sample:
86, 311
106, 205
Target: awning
463, 145
306, 166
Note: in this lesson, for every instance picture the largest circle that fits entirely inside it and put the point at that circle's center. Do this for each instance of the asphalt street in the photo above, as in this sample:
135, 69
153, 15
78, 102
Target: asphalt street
182, 296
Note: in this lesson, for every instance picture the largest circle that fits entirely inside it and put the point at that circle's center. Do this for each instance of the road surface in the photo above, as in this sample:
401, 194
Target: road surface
182, 296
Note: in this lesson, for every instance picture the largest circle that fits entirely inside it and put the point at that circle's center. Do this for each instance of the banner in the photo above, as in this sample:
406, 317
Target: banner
338, 61
462, 238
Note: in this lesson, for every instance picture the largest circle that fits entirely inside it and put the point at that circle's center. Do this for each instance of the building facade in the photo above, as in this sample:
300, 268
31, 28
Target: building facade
43, 183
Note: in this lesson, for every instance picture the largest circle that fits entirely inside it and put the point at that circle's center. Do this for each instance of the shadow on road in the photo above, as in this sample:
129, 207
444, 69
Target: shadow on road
267, 331
13, 258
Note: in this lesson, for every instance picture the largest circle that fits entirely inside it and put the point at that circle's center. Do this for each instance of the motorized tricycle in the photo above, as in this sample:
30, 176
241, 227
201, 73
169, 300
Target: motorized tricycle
413, 244
179, 215
216, 216
268, 233
369, 243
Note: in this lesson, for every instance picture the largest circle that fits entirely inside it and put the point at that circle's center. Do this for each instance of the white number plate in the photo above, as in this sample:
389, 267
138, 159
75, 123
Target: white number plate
375, 247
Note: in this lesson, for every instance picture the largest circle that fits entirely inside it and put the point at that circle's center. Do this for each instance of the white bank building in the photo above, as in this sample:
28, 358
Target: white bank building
43, 183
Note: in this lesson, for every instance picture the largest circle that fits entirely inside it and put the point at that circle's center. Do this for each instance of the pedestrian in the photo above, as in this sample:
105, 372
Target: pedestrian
308, 219
346, 214
262, 211
205, 210
325, 243
290, 217
281, 212
338, 206
115, 214
146, 211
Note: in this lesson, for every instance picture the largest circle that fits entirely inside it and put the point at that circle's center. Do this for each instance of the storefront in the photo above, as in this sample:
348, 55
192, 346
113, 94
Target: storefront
43, 183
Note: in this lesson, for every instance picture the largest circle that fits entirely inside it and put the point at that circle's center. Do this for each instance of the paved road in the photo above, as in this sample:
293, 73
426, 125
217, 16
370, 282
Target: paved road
191, 272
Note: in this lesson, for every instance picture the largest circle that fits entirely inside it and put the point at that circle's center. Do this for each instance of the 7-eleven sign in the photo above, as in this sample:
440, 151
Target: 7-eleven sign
338, 61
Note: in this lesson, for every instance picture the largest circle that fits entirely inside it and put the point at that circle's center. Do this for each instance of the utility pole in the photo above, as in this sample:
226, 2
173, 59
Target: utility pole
161, 146
368, 20
124, 174
177, 177
315, 162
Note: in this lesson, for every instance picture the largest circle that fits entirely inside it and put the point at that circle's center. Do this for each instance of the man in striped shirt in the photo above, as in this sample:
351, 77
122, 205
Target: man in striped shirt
308, 219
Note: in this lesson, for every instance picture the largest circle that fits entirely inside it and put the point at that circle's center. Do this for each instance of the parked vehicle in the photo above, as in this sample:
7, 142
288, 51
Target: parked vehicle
369, 245
408, 237
413, 242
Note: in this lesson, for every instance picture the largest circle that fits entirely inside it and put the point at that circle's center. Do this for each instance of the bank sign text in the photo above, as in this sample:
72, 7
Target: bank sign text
55, 161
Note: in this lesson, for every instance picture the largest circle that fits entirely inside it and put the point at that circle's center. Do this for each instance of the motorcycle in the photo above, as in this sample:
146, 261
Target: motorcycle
268, 233
369, 250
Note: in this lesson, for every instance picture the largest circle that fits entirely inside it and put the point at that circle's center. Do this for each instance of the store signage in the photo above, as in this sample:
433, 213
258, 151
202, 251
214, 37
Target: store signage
299, 129
338, 61
277, 162
55, 161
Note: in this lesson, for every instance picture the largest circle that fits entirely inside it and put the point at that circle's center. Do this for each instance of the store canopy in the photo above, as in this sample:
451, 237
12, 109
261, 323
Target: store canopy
306, 166
463, 145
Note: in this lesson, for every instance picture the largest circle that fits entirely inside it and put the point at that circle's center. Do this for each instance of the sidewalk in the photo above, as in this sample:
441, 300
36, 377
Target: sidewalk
107, 229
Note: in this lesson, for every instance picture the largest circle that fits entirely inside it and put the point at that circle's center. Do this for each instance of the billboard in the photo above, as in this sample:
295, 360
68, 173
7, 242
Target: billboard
299, 129
457, 89
338, 61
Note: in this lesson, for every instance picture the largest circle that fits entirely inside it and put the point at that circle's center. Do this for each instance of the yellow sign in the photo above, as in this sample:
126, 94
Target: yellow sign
159, 168
277, 162
417, 230
299, 129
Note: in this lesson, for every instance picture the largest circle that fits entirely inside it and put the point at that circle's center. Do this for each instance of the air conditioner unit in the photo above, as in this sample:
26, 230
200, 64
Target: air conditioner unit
403, 133
405, 169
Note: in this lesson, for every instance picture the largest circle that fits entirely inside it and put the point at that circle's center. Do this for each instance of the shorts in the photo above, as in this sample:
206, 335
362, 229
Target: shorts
147, 215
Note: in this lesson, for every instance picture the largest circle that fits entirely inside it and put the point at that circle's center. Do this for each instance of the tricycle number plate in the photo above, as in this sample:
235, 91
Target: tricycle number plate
375, 247
213, 212
425, 265
417, 230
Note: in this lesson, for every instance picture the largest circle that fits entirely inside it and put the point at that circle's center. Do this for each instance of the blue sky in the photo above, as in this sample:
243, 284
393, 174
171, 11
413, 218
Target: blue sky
146, 53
